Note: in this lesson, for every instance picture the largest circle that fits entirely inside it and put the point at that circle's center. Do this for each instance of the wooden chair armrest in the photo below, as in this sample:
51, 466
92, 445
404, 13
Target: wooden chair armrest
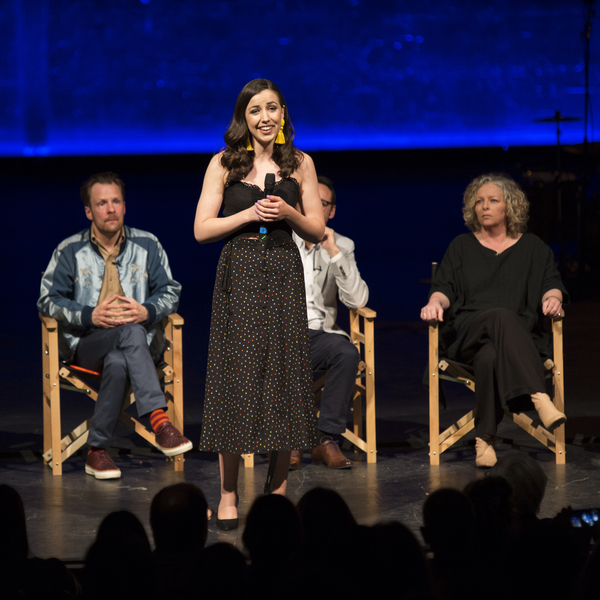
365, 312
49, 322
175, 320
557, 337
434, 345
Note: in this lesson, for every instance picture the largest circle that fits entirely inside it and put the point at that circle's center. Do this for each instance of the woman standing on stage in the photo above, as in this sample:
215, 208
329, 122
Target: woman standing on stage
259, 380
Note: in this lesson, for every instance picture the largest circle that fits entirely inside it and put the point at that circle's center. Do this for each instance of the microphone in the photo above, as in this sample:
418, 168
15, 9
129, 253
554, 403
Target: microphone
269, 186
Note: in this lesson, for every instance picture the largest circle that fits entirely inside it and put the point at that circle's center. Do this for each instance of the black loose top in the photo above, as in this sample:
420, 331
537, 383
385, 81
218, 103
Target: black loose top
476, 278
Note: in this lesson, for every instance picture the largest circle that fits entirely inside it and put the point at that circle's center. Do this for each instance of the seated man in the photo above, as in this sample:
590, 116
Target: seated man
109, 287
330, 270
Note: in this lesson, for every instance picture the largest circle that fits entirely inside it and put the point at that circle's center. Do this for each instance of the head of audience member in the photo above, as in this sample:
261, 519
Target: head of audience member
448, 521
14, 546
119, 565
515, 202
328, 197
119, 525
527, 480
325, 516
273, 533
329, 530
24, 576
394, 564
178, 517
490, 498
220, 564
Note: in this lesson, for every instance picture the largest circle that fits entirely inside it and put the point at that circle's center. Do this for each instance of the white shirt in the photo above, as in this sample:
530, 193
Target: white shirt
314, 298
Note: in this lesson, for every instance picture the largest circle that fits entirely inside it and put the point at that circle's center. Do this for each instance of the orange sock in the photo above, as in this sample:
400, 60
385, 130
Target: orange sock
157, 418
92, 448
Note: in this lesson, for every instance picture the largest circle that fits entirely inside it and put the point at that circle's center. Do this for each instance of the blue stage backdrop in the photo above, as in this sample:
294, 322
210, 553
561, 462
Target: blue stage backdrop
161, 76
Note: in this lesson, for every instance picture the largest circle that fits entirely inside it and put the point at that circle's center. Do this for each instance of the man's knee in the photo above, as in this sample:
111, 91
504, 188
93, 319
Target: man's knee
346, 354
133, 336
330, 350
115, 365
133, 333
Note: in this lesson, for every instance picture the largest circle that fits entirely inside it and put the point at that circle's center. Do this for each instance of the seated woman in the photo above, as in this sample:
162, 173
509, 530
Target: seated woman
494, 282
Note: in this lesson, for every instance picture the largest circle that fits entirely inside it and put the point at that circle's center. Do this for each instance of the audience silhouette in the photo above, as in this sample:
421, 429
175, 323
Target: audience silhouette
487, 541
449, 529
178, 517
118, 564
24, 576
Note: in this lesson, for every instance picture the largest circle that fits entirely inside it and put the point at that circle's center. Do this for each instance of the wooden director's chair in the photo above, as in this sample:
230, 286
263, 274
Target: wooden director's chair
59, 375
362, 336
452, 371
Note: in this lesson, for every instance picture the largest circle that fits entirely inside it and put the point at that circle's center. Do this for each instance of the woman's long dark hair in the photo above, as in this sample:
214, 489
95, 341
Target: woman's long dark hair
239, 161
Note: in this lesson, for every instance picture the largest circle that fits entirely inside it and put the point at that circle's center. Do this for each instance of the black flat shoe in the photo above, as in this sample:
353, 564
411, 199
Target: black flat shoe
227, 524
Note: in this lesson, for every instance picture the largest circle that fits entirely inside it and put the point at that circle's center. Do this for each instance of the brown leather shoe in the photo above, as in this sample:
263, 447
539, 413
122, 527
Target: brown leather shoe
170, 442
329, 453
101, 466
296, 460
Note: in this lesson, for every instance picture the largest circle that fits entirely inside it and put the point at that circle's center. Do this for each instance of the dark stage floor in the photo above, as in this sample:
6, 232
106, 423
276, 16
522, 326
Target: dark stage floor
64, 512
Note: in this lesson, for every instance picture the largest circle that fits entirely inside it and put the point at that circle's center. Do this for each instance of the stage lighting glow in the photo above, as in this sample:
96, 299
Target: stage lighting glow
155, 77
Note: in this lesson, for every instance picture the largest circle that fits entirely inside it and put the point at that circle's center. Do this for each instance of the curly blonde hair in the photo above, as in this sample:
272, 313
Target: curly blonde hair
517, 205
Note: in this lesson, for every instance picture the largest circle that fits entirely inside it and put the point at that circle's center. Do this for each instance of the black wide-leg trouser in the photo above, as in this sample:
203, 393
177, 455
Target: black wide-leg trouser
506, 362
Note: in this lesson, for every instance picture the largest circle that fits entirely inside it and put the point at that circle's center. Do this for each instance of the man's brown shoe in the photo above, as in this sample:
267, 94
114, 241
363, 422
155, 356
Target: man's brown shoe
170, 442
329, 453
296, 460
101, 466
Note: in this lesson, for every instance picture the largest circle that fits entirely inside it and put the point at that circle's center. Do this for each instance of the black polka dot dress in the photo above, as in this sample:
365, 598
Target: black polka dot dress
259, 378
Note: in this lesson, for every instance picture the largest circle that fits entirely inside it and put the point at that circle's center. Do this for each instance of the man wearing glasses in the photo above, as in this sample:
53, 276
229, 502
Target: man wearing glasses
330, 272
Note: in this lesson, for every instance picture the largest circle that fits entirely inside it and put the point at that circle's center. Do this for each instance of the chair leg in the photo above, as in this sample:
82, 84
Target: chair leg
368, 441
434, 396
174, 389
51, 395
357, 413
248, 461
370, 391
559, 387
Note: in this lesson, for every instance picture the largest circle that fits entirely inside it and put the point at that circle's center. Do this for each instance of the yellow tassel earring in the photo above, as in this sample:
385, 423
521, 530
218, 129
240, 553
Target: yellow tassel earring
280, 139
249, 147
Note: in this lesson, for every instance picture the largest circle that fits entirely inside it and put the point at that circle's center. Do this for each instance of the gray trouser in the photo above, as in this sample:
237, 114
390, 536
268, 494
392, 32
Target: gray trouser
122, 355
337, 355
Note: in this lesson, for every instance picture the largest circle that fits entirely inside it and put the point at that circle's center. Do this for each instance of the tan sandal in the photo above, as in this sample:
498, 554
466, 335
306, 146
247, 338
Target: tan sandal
550, 416
485, 456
